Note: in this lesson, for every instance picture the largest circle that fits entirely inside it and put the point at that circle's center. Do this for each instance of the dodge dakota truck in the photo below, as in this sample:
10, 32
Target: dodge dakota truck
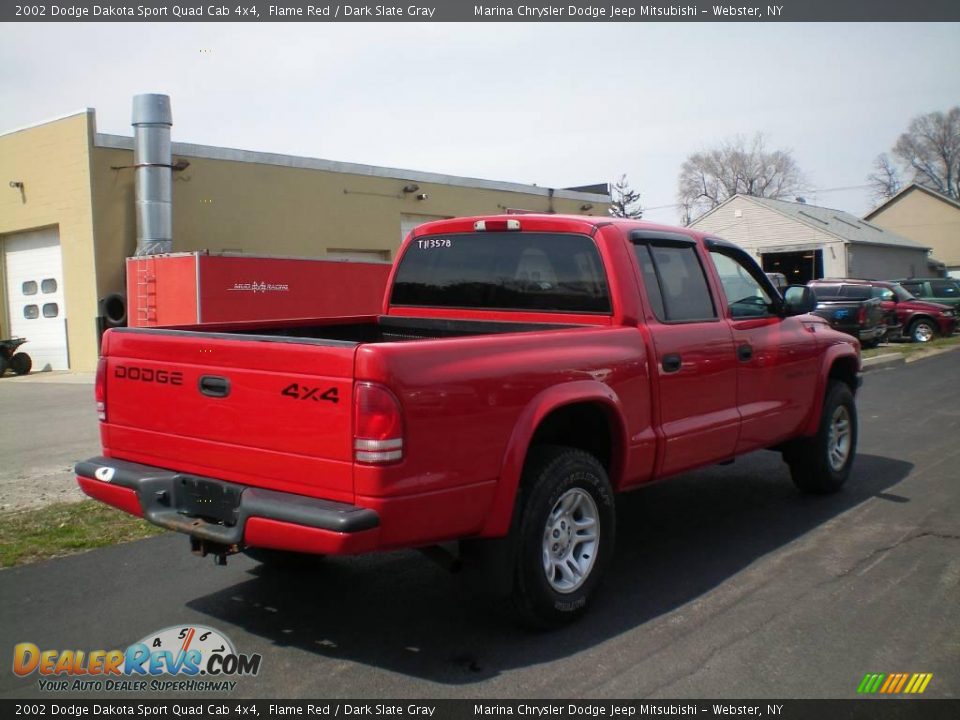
524, 370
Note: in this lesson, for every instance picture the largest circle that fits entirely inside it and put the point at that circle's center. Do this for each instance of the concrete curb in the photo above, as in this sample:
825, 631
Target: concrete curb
923, 355
882, 362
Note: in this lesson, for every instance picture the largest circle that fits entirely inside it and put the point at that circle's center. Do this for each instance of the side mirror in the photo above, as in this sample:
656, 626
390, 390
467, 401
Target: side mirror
798, 300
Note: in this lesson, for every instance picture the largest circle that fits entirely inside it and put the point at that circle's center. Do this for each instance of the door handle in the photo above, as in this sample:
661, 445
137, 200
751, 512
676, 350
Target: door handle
671, 363
744, 352
214, 386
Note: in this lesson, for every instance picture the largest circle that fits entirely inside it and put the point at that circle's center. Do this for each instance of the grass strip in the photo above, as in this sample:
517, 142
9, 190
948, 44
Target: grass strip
910, 348
64, 529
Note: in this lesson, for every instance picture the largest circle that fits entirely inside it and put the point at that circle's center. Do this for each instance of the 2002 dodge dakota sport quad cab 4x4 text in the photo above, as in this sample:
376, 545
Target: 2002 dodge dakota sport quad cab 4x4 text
525, 370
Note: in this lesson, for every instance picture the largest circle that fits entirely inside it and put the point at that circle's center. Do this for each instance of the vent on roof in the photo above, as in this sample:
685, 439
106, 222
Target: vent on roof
813, 217
847, 222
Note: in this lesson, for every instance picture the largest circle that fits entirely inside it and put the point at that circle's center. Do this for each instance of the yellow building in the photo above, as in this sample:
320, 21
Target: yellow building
926, 216
67, 218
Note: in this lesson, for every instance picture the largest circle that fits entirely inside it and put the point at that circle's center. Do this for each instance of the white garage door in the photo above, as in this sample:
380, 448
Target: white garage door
34, 275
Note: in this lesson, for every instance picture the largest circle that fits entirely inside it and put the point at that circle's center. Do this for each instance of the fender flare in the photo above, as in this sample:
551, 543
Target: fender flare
511, 467
833, 354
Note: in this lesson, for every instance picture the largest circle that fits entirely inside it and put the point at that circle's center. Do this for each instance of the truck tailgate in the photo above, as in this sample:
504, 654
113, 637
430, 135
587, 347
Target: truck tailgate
265, 411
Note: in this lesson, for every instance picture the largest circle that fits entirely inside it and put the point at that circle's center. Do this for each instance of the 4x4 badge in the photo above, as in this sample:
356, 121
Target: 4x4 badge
302, 392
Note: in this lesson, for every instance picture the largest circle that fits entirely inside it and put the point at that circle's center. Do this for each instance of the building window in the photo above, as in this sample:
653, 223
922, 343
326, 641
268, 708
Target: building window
48, 286
31, 312
29, 287
50, 310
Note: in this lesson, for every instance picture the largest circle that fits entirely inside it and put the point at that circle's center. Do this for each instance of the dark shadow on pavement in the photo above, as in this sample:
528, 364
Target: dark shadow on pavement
676, 541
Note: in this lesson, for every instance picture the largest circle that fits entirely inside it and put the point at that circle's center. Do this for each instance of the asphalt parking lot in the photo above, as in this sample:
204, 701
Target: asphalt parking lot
726, 583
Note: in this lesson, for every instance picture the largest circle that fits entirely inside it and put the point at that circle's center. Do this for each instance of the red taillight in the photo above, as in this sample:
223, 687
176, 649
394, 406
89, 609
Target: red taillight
100, 389
862, 315
496, 225
377, 425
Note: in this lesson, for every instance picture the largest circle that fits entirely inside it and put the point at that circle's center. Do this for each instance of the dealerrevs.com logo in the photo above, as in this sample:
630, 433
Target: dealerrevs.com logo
183, 658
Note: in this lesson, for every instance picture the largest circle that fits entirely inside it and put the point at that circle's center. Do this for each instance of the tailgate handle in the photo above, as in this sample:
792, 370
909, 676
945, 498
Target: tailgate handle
214, 386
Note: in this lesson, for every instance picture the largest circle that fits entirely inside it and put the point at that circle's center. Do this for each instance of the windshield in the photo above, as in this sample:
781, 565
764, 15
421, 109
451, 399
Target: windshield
549, 272
902, 293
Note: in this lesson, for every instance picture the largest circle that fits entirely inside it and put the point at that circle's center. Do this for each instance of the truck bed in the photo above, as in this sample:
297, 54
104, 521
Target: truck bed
367, 330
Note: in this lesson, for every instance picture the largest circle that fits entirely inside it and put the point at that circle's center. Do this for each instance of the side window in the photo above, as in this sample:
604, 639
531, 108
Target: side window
856, 292
650, 281
746, 297
826, 290
944, 289
885, 294
675, 283
915, 288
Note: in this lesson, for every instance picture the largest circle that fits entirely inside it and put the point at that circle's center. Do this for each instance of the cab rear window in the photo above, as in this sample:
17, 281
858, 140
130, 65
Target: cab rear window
544, 272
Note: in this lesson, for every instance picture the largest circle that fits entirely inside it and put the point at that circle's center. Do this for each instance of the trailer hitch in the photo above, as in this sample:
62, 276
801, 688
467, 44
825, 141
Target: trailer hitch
201, 547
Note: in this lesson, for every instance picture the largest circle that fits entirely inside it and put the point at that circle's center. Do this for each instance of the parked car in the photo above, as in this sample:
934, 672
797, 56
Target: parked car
917, 320
524, 370
855, 312
945, 291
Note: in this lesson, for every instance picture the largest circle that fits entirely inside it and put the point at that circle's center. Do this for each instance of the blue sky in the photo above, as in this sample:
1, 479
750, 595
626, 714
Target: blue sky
555, 104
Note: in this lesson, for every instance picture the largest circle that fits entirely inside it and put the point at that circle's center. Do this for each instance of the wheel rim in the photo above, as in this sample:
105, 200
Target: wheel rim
570, 540
923, 332
838, 445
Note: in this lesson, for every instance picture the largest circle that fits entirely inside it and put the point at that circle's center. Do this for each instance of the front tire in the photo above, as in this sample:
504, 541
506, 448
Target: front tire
21, 363
821, 464
922, 330
566, 536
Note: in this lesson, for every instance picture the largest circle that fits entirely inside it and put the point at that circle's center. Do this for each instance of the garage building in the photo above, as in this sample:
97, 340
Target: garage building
67, 218
805, 241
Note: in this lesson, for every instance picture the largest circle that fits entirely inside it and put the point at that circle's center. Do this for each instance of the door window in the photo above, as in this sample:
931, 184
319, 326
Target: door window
746, 297
676, 286
944, 289
856, 292
885, 294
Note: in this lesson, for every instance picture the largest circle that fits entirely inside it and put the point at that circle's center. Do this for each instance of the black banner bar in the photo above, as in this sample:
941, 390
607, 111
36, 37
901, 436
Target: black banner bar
483, 11
231, 709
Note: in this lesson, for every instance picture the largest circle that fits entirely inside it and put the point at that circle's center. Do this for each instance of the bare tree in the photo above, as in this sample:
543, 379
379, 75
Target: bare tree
709, 177
930, 151
625, 201
885, 179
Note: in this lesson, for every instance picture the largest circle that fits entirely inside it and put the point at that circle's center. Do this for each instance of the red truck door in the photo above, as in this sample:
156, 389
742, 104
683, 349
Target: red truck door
777, 360
696, 372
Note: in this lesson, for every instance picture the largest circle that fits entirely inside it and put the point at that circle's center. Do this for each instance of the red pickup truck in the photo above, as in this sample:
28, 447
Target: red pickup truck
524, 370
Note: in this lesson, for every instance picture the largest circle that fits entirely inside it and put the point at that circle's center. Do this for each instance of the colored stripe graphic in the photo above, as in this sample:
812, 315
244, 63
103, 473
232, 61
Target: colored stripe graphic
894, 683
918, 683
870, 683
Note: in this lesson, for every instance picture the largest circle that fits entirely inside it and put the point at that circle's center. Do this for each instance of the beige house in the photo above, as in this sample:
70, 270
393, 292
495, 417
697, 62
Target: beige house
926, 216
67, 219
805, 241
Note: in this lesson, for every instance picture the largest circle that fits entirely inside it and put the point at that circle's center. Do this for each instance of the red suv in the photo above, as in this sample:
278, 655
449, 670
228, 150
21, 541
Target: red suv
918, 320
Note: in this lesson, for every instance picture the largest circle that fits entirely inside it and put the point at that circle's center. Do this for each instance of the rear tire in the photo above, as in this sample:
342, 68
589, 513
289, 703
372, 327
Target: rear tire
3, 364
821, 464
21, 363
566, 536
922, 330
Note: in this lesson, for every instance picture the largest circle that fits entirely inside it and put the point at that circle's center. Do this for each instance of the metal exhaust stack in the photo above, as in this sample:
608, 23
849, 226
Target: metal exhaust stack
152, 121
